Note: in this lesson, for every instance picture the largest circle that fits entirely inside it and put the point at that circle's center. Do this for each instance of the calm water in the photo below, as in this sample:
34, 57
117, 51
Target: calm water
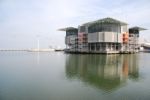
59, 76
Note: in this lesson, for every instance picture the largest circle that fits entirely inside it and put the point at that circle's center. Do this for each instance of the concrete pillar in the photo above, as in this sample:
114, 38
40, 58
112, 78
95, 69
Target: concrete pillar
100, 47
89, 46
95, 47
111, 46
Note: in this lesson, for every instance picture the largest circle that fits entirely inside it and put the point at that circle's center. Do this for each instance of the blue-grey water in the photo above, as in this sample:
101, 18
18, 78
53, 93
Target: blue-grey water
60, 76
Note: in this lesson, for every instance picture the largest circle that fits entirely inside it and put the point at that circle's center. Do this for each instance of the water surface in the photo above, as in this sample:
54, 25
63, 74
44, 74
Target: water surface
59, 76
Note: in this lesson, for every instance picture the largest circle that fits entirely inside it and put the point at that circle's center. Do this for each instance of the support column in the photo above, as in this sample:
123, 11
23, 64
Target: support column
89, 46
95, 47
99, 46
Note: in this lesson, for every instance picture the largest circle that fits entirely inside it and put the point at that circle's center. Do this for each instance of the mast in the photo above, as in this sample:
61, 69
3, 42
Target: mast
38, 45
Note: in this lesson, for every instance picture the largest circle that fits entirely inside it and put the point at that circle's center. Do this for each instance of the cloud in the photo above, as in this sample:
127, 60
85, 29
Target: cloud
25, 19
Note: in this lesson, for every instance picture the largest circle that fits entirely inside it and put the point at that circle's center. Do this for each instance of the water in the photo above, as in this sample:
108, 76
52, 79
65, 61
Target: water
59, 76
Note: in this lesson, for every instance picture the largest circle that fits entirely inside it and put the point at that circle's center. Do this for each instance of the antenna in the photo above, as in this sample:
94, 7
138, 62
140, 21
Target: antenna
38, 44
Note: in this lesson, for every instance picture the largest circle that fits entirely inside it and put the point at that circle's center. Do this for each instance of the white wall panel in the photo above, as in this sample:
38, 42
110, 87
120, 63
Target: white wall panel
109, 37
100, 36
93, 37
119, 38
104, 37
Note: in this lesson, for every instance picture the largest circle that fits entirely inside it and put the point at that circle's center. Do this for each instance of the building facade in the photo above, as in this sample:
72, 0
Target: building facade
106, 35
134, 38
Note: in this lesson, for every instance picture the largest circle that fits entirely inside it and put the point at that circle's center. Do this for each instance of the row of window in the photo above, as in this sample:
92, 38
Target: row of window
133, 31
104, 27
71, 32
133, 35
96, 28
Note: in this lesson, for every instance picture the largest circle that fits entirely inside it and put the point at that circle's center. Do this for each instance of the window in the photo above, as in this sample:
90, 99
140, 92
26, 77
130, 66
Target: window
82, 28
71, 32
104, 28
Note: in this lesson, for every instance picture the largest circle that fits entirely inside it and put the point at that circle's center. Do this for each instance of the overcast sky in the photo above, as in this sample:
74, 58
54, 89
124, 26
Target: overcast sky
23, 21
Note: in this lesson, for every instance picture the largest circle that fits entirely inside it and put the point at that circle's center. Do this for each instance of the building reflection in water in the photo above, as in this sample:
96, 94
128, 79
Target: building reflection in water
107, 72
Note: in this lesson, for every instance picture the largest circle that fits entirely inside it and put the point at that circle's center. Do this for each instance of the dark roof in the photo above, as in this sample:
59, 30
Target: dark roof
138, 28
67, 28
106, 20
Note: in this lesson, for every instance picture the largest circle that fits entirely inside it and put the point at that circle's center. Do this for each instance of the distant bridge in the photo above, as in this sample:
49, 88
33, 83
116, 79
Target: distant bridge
30, 50
15, 49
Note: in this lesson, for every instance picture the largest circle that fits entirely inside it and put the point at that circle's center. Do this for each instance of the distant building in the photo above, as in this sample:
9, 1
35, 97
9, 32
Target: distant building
106, 35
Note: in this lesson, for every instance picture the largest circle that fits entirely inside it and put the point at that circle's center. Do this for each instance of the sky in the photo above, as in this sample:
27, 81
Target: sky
23, 22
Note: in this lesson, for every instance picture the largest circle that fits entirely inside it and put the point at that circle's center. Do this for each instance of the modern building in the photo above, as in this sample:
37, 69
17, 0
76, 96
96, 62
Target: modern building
106, 35
134, 38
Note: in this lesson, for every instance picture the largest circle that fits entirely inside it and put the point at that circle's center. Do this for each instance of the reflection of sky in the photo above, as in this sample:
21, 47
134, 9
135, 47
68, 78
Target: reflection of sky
22, 20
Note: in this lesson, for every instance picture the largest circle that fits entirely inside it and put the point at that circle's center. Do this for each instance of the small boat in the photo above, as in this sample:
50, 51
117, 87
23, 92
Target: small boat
59, 50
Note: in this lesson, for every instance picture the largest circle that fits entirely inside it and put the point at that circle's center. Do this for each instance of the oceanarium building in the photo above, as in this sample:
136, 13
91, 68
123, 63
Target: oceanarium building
106, 35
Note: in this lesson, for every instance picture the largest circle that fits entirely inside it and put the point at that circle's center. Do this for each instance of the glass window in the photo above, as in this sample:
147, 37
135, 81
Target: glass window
82, 28
104, 28
72, 32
